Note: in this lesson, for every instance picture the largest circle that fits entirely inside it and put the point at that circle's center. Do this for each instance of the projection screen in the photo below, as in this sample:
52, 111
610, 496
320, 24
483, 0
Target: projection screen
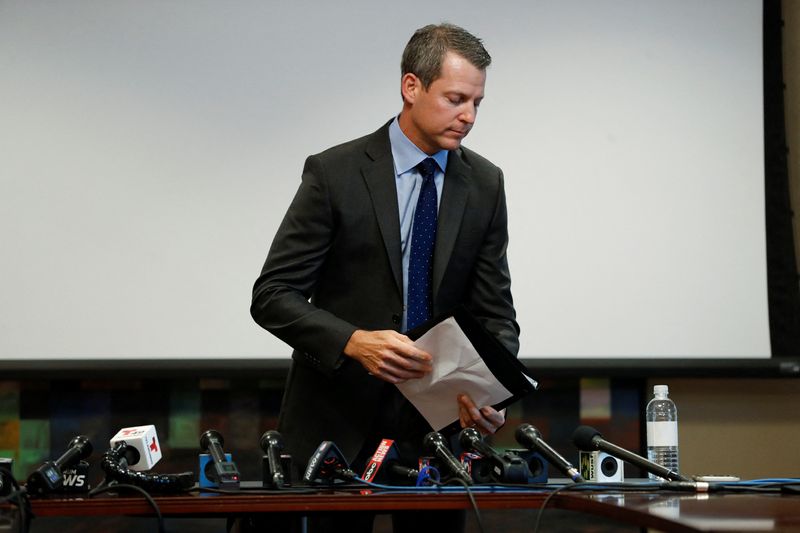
148, 151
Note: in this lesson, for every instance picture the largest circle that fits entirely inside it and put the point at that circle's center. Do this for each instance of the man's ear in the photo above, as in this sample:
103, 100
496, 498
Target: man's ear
410, 87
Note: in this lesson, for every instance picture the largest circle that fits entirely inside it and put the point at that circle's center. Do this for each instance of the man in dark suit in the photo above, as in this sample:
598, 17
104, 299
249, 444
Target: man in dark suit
342, 271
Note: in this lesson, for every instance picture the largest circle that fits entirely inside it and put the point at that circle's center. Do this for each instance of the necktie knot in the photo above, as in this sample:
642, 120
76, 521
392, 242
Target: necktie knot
427, 168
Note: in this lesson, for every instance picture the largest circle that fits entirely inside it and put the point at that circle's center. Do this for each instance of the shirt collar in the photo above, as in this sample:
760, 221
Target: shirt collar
406, 154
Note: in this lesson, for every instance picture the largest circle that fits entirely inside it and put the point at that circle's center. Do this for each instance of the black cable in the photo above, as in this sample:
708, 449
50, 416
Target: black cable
115, 465
766, 488
577, 487
458, 481
791, 488
19, 497
114, 486
547, 501
471, 497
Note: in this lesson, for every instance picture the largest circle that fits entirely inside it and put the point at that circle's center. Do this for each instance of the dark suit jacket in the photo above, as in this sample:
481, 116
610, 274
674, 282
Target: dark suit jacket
339, 247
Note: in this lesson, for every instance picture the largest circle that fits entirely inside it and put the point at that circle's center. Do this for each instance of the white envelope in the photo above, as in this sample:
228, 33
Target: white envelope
457, 369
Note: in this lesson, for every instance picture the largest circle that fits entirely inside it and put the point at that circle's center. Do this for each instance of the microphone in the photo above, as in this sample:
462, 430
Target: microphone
222, 471
327, 464
588, 439
7, 480
434, 443
49, 476
402, 473
506, 468
272, 444
115, 464
531, 438
386, 460
143, 450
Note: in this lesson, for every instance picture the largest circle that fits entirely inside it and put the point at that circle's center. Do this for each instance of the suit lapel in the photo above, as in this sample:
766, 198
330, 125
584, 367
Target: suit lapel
451, 212
379, 176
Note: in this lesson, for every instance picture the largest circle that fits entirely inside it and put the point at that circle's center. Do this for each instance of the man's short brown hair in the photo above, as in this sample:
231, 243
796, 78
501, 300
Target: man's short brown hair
426, 49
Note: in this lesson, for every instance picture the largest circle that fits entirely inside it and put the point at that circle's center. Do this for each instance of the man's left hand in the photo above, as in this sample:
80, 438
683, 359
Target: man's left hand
486, 419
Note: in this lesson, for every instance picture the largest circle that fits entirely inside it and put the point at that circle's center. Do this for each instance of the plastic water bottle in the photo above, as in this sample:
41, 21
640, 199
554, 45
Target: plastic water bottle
662, 430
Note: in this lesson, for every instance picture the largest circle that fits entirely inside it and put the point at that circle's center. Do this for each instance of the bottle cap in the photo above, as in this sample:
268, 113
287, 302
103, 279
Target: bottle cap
661, 390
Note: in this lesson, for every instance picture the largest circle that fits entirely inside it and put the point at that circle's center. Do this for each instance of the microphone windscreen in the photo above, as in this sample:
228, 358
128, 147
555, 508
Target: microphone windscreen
432, 440
84, 446
271, 438
583, 438
526, 435
208, 436
468, 438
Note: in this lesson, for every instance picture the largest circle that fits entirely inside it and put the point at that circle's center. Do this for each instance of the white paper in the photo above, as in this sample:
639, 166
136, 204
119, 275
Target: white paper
457, 369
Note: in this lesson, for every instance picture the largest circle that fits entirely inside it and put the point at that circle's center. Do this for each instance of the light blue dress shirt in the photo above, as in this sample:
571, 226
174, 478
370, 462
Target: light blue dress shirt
406, 157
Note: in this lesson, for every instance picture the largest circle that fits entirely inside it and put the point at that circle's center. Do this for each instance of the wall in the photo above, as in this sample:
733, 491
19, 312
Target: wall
38, 417
745, 427
748, 427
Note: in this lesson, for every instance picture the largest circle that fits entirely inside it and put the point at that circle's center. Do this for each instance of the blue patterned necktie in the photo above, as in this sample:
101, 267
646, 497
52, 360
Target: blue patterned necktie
423, 237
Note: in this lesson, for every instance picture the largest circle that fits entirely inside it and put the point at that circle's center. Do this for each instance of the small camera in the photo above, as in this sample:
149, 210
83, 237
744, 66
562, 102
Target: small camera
601, 467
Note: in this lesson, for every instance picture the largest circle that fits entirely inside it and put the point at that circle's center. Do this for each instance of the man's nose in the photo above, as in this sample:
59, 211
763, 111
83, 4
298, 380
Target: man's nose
468, 114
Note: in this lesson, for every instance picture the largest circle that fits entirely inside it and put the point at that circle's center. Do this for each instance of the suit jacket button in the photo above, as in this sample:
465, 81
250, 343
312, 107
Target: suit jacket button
396, 319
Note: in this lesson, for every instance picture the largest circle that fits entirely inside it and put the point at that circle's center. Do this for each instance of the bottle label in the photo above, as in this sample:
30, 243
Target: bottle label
662, 433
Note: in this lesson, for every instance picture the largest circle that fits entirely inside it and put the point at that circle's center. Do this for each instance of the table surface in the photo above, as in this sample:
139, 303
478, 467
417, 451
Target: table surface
666, 511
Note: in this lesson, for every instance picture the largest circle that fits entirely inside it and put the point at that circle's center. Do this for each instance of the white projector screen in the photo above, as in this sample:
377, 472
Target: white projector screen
148, 151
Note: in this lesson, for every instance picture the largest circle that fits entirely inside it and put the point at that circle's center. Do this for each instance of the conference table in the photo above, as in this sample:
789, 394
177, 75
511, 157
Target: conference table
663, 510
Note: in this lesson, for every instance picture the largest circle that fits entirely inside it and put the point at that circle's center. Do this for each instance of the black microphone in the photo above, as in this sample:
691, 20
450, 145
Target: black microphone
434, 443
7, 481
588, 439
385, 465
470, 439
272, 444
505, 468
531, 438
115, 464
401, 472
223, 472
49, 476
327, 464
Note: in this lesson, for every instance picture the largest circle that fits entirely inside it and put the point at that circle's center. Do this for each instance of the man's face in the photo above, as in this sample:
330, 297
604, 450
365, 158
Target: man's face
441, 116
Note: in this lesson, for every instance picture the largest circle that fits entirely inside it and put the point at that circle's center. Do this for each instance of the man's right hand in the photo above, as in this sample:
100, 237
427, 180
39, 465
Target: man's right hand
388, 355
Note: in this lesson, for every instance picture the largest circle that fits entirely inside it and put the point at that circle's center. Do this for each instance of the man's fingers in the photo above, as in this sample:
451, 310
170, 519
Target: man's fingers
489, 425
487, 420
395, 370
494, 417
410, 357
413, 365
388, 355
395, 377
406, 348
